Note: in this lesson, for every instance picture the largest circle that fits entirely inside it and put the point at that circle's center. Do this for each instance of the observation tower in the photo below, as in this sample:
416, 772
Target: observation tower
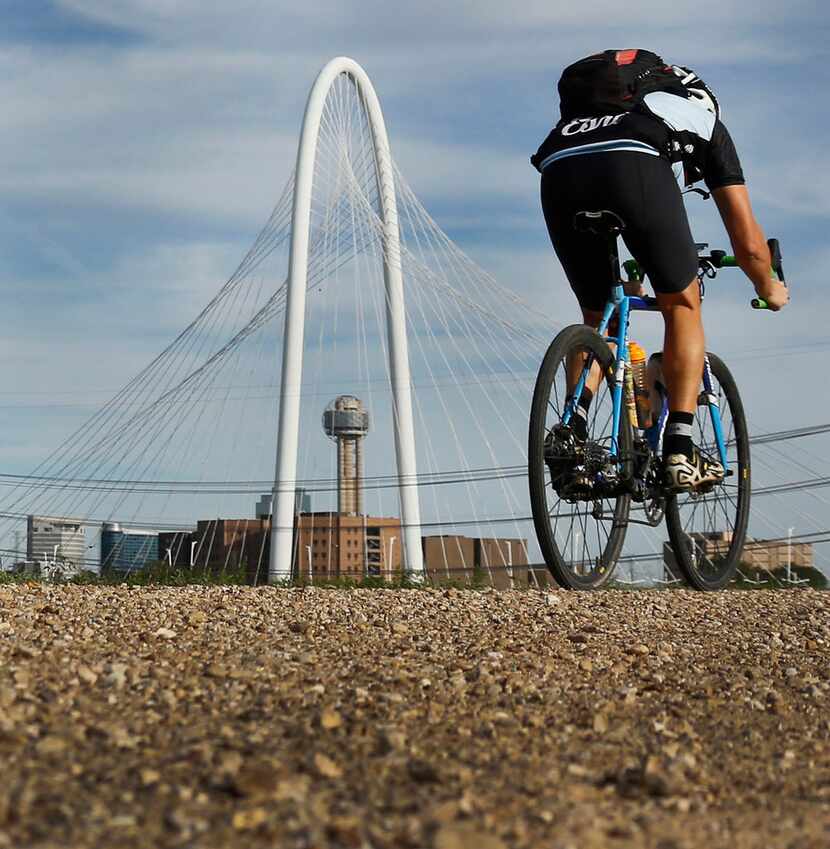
346, 421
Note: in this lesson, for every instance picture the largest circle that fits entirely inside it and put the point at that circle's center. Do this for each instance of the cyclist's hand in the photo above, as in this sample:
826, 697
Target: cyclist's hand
774, 293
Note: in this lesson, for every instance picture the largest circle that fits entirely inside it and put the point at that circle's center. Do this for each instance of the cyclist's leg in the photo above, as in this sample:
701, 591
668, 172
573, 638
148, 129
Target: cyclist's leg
683, 346
567, 188
660, 239
575, 365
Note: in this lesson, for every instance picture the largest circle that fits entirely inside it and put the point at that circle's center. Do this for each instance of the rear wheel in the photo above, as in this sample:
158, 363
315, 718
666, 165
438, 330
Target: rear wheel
708, 529
578, 494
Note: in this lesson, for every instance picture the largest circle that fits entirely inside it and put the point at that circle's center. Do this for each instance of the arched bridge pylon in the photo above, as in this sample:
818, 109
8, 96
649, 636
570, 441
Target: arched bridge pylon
285, 482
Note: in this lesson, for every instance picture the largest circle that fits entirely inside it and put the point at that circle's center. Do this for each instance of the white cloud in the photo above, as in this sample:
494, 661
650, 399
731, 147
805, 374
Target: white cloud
157, 131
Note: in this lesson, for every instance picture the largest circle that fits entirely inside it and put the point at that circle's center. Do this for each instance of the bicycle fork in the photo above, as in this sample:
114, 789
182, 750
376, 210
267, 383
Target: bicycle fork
714, 412
656, 435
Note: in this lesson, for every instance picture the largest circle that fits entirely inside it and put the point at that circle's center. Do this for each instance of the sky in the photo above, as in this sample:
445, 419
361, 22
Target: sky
144, 143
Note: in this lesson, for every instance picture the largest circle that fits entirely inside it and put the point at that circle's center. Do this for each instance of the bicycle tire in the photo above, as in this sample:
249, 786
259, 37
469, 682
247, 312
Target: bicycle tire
568, 340
719, 567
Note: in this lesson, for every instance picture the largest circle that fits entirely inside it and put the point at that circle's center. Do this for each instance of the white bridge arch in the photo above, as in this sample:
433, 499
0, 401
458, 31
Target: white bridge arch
285, 482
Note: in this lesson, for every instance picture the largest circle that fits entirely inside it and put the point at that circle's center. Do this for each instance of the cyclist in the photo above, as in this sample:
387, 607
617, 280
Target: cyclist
631, 126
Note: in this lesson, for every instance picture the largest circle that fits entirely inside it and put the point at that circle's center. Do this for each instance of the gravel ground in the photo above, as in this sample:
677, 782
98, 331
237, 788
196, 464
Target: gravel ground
208, 717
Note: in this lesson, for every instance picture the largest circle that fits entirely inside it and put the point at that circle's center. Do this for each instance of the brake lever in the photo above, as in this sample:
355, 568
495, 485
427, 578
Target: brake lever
695, 190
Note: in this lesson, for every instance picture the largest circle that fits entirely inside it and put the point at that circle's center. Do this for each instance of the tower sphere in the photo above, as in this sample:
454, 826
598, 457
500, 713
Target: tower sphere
346, 417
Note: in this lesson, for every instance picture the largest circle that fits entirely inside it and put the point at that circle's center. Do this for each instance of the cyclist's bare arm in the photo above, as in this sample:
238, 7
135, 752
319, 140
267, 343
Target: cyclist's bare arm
749, 244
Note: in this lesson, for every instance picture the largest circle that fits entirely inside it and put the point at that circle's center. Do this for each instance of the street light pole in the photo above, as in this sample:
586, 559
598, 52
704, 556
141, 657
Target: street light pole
789, 554
391, 546
310, 568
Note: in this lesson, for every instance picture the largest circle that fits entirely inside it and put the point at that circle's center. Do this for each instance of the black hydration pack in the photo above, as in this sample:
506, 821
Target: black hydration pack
614, 81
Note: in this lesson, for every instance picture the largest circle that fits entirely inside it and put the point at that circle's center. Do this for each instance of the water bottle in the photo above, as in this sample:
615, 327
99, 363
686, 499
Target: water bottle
628, 395
642, 404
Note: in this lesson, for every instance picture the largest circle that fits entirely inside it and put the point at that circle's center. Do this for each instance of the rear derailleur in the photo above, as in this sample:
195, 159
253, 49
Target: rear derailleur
580, 471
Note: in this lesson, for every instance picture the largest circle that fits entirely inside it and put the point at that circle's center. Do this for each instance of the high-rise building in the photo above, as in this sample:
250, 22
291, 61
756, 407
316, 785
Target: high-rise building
346, 421
127, 549
50, 539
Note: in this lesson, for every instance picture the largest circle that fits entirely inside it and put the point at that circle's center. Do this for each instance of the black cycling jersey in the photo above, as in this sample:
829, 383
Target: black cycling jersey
668, 125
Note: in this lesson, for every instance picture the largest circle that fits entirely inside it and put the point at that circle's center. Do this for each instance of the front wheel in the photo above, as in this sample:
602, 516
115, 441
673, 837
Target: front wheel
578, 492
708, 529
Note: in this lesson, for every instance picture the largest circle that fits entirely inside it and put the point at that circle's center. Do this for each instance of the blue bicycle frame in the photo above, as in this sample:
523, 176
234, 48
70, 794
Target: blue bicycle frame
623, 305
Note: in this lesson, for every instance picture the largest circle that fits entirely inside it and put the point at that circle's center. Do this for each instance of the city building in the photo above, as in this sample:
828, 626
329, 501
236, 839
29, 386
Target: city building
265, 505
127, 549
51, 539
772, 554
175, 547
502, 563
767, 555
332, 545
231, 545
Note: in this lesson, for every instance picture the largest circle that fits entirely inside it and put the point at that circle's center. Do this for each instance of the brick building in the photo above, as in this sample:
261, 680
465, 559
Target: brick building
760, 554
219, 545
329, 546
502, 563
332, 545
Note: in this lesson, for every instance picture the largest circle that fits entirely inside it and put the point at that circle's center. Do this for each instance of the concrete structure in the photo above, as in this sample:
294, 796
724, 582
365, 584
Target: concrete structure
501, 563
346, 421
127, 549
49, 539
285, 479
331, 545
762, 554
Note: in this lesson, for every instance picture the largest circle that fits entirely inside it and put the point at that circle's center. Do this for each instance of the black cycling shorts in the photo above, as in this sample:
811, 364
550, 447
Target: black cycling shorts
643, 191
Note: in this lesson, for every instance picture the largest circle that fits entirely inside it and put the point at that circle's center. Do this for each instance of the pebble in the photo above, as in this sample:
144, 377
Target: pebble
155, 717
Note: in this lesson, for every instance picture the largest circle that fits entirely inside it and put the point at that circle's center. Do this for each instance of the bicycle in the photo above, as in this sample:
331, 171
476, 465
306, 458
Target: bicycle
620, 462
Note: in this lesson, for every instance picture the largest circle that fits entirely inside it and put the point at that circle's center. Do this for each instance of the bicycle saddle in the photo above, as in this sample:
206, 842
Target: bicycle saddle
603, 222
